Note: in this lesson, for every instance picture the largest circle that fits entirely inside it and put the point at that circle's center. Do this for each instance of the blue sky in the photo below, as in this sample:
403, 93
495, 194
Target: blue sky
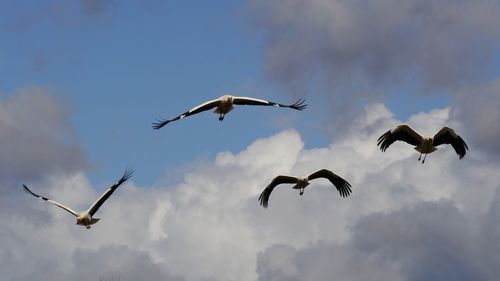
121, 69
125, 65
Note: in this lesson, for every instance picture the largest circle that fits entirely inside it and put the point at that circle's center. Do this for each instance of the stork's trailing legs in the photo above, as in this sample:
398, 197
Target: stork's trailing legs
425, 156
221, 117
301, 191
420, 157
87, 226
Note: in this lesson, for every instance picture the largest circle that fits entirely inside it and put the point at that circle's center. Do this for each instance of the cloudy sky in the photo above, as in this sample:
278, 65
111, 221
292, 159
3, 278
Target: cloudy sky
81, 82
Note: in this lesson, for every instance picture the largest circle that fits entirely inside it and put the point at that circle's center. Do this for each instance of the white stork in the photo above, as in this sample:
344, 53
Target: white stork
224, 104
85, 217
424, 145
342, 185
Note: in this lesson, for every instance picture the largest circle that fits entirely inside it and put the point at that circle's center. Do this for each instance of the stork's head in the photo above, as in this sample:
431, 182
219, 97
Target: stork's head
226, 98
301, 182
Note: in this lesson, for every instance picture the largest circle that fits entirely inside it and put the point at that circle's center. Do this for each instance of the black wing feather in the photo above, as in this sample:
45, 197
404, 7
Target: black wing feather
343, 187
400, 133
298, 105
264, 196
93, 209
203, 107
448, 136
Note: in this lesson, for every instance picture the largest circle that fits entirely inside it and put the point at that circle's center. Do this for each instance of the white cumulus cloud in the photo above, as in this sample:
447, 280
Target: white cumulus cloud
404, 221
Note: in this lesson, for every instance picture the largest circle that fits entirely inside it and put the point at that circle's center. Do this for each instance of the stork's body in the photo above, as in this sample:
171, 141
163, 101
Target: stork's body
425, 147
302, 183
225, 106
85, 219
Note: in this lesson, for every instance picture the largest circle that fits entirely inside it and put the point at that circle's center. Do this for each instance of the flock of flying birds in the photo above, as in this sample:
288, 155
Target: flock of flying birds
224, 104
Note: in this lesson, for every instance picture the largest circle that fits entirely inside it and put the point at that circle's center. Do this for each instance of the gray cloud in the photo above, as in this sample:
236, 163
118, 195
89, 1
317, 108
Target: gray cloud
321, 261
117, 263
429, 241
37, 138
352, 52
438, 44
478, 109
120, 261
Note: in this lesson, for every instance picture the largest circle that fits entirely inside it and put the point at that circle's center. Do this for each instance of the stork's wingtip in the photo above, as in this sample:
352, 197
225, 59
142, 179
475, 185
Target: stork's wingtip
156, 126
128, 173
300, 104
159, 123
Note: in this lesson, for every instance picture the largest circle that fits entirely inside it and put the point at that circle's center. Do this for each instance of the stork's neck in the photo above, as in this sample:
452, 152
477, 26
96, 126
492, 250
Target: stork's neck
304, 179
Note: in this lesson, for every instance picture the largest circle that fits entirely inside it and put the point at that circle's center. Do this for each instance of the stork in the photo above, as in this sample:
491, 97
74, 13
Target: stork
86, 218
343, 187
224, 104
424, 145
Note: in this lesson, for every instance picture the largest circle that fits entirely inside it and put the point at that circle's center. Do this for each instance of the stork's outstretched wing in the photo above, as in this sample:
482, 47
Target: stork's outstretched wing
200, 108
342, 185
400, 133
299, 105
448, 136
93, 209
264, 196
68, 209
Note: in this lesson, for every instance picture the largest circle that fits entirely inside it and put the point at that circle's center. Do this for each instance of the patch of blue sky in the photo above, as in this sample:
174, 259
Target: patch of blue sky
123, 68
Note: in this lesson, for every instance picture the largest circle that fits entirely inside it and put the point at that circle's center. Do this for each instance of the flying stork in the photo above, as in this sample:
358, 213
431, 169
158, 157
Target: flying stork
424, 145
224, 104
85, 217
343, 187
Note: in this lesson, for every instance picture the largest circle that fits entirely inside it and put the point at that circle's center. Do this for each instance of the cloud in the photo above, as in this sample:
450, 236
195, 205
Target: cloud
364, 44
477, 108
37, 138
321, 261
131, 265
429, 241
351, 52
404, 220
